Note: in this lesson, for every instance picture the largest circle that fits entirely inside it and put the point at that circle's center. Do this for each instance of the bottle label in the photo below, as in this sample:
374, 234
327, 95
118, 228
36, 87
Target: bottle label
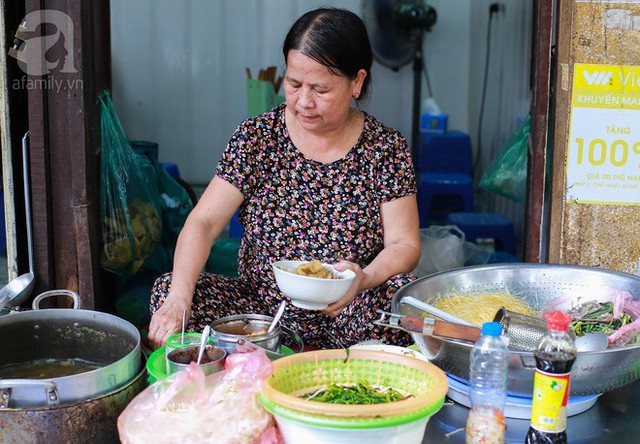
550, 397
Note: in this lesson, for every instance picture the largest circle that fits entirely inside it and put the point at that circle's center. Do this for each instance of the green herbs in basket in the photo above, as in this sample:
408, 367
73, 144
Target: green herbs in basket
361, 393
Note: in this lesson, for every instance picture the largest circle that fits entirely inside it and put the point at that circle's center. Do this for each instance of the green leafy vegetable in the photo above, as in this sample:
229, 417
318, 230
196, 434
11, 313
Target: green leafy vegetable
361, 393
599, 319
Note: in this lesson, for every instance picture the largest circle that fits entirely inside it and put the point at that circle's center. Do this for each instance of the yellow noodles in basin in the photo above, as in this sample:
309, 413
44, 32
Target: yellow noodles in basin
479, 308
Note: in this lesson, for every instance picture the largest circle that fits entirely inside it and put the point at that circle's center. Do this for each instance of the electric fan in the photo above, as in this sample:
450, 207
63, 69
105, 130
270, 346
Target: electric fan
396, 29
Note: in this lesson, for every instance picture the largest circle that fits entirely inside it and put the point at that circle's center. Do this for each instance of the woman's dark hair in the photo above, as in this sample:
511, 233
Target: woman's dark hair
335, 38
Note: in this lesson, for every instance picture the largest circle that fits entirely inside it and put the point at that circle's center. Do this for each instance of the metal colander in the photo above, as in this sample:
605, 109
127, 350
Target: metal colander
592, 373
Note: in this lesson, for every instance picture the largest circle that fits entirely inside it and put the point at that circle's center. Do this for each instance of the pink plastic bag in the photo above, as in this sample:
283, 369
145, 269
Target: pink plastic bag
622, 302
191, 407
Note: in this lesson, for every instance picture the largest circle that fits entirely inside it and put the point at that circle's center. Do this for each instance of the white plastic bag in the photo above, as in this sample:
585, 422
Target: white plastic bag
444, 247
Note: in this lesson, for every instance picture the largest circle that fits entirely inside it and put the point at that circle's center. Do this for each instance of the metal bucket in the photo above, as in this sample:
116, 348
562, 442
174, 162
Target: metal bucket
592, 372
63, 334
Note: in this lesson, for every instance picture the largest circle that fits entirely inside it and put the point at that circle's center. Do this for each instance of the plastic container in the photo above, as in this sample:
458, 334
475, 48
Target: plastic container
555, 355
307, 421
261, 97
488, 386
296, 431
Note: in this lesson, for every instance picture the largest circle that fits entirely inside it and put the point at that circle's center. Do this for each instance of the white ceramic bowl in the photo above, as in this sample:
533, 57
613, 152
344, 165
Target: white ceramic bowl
309, 292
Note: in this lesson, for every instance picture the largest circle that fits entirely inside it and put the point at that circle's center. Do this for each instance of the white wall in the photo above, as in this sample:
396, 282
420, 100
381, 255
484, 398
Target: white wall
179, 73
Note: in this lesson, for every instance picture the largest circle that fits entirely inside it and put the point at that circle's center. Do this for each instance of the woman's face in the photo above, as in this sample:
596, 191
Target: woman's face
316, 97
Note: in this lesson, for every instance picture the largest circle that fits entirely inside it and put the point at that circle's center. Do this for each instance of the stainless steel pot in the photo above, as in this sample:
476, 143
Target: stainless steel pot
592, 372
93, 420
60, 334
227, 331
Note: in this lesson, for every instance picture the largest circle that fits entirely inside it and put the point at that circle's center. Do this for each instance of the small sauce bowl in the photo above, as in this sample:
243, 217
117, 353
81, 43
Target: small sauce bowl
212, 359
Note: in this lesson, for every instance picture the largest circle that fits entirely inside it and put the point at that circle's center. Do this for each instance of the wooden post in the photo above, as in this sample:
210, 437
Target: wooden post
595, 204
65, 133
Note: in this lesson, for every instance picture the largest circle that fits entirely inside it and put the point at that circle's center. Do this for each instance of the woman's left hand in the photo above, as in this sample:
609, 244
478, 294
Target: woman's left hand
359, 284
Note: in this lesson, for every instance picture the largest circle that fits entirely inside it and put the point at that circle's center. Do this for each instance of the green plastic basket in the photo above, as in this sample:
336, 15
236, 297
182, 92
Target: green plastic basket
348, 423
307, 372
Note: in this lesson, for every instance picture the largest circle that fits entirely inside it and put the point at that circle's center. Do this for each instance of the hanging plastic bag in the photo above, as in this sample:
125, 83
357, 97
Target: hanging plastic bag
506, 174
129, 213
190, 407
175, 205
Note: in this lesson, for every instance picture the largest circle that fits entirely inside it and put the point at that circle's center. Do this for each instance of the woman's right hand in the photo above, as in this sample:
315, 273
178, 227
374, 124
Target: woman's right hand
167, 320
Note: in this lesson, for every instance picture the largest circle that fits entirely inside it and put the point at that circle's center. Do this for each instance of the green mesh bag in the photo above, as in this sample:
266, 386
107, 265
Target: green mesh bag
175, 205
131, 222
506, 174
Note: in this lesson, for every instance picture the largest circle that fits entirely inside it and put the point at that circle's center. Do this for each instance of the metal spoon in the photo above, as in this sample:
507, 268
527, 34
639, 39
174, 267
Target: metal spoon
417, 303
277, 317
20, 288
203, 342
184, 321
597, 341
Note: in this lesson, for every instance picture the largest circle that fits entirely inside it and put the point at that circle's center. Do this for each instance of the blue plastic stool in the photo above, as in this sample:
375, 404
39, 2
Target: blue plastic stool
449, 152
172, 169
442, 193
486, 226
235, 228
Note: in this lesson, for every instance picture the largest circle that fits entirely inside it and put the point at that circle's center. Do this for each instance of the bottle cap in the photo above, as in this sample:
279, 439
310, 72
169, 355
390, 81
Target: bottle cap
492, 329
558, 320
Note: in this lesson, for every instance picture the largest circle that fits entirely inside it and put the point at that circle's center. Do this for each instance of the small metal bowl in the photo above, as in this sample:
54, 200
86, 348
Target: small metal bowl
250, 327
212, 359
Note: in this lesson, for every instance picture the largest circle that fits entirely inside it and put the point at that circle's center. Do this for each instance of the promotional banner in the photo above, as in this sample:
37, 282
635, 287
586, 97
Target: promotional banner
603, 156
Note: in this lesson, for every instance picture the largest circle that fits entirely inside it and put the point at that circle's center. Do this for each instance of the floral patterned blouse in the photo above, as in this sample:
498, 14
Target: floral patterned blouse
299, 209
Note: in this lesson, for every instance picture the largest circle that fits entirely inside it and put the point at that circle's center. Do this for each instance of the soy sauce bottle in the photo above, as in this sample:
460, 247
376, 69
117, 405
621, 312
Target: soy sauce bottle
555, 354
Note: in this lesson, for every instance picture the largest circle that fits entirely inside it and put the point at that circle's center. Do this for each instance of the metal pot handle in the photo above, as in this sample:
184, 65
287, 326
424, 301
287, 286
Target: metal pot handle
50, 388
51, 293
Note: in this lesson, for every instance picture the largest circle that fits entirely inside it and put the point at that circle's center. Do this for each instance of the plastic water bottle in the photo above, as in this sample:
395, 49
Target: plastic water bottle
488, 386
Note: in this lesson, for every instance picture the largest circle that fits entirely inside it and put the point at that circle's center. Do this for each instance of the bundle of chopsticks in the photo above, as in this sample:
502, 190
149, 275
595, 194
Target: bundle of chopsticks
268, 75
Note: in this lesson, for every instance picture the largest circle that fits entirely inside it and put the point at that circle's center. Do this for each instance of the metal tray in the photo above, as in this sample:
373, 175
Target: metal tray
592, 373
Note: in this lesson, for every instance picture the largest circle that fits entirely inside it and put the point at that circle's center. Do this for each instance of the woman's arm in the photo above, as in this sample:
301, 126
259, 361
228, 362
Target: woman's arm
401, 252
402, 249
203, 226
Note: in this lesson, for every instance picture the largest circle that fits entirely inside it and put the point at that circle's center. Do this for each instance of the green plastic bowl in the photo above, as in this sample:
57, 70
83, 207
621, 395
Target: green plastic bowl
157, 363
